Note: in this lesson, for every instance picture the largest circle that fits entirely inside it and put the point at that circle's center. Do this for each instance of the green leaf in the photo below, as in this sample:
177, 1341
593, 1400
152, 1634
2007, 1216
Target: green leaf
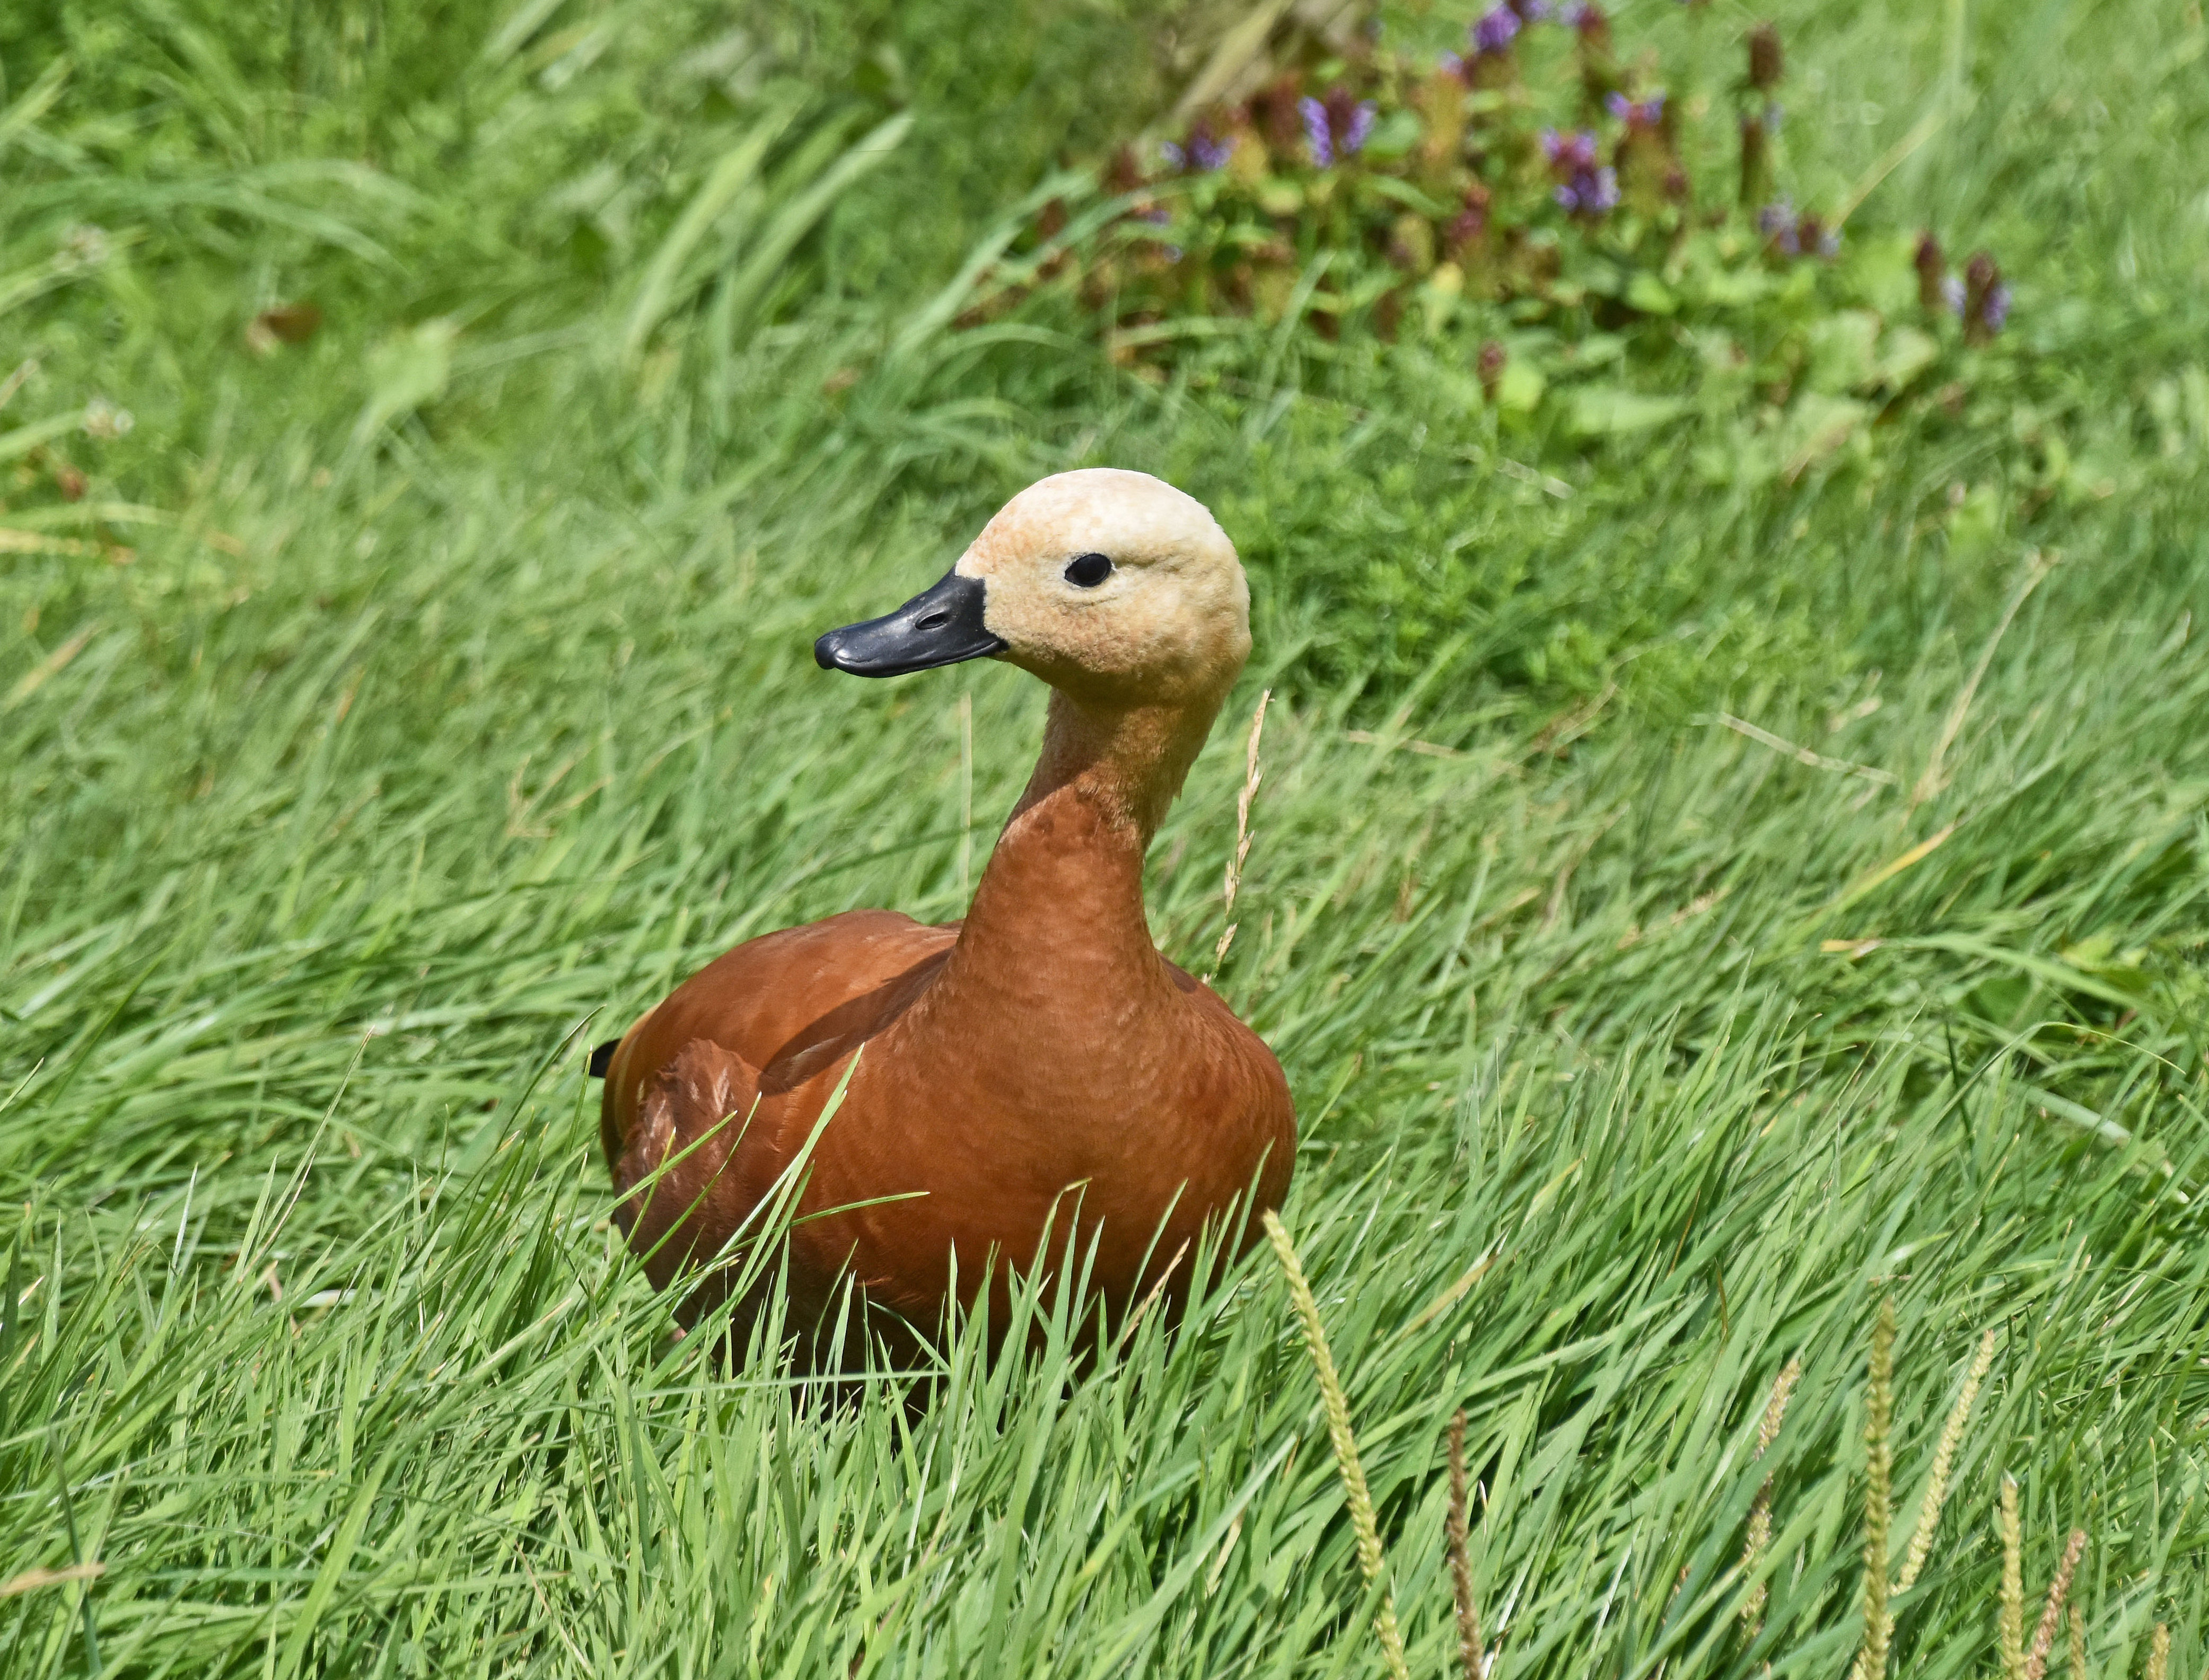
1607, 411
405, 370
1902, 353
1518, 389
1817, 425
1840, 348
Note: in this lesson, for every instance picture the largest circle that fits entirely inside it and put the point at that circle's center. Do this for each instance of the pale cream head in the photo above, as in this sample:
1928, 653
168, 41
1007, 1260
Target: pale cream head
1168, 624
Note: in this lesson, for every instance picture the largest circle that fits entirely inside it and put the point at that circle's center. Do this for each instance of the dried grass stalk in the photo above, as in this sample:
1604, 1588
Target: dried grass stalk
2010, 1636
1471, 1652
2158, 1651
1759, 1514
2059, 1590
1252, 775
1337, 1407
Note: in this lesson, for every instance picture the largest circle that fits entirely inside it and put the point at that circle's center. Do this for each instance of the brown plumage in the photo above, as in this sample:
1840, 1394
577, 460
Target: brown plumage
1039, 1067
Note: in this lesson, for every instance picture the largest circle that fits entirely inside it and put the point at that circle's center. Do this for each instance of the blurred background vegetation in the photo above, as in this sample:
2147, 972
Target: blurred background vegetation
1732, 859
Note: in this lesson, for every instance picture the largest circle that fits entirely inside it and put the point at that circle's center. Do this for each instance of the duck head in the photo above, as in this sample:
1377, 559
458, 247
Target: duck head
1114, 587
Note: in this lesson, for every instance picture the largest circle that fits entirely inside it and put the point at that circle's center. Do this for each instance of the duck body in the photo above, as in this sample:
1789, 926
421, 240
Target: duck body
1034, 1086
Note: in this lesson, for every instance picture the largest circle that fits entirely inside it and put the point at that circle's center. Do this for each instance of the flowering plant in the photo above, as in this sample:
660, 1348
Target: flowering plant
1527, 197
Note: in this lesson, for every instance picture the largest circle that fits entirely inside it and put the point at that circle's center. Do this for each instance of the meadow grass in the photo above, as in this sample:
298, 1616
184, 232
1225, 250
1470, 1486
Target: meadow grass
455, 700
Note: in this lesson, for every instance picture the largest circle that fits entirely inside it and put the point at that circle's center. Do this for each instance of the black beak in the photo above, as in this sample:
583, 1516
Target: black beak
941, 625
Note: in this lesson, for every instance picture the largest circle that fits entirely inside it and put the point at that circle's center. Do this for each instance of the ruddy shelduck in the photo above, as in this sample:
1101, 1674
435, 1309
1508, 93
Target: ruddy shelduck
1035, 1085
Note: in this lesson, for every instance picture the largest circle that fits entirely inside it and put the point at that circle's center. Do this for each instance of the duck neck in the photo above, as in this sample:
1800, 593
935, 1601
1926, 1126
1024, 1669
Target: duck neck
1059, 911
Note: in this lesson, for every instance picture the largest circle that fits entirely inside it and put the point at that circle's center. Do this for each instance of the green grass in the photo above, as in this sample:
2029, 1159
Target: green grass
455, 700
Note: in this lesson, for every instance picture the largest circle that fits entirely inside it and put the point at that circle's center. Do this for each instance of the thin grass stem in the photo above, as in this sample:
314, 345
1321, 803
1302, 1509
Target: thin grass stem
1252, 775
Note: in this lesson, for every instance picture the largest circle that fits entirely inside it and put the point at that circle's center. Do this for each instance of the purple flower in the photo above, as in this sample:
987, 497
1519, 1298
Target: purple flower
1534, 11
1335, 127
1952, 293
1203, 152
1316, 131
1779, 223
1452, 63
1996, 311
1590, 192
1493, 31
1643, 114
1569, 152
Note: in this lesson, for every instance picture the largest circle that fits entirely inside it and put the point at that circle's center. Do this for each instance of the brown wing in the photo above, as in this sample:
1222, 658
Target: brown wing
695, 1112
756, 1021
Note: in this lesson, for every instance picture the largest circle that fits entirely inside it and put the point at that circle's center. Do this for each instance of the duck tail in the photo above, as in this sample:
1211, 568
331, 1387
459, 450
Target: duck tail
602, 1058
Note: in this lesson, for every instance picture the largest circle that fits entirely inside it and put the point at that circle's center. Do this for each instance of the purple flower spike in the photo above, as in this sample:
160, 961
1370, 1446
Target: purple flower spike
1569, 152
1534, 11
1952, 293
1172, 153
1316, 131
1493, 32
1590, 192
1360, 129
1779, 224
1641, 114
1996, 311
1209, 154
1336, 127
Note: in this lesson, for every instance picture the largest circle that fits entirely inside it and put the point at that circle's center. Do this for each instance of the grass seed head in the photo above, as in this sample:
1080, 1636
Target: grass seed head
1470, 1649
1759, 1514
2058, 1593
1336, 1405
2010, 1632
1944, 1462
1879, 1415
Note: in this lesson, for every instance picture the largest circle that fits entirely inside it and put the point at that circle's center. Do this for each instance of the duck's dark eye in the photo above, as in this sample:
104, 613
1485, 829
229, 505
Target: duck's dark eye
1087, 571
